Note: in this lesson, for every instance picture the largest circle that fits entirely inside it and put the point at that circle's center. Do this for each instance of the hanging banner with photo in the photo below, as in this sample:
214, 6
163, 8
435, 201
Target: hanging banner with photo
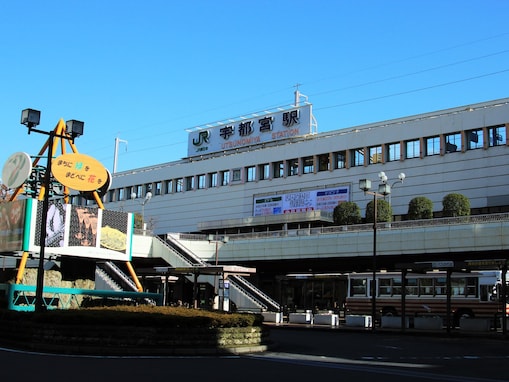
82, 231
12, 225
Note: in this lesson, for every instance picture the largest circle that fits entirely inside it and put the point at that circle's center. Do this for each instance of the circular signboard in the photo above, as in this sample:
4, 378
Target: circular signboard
79, 172
17, 169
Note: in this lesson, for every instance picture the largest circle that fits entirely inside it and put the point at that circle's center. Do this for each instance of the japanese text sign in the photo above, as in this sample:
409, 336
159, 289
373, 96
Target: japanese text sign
252, 130
79, 172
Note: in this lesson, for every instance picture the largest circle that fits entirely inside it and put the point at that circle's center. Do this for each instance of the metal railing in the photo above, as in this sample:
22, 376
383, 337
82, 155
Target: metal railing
405, 224
184, 252
22, 297
255, 293
111, 268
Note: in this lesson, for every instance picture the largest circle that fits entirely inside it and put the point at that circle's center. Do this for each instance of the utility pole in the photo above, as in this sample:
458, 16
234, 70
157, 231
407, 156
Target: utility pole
115, 156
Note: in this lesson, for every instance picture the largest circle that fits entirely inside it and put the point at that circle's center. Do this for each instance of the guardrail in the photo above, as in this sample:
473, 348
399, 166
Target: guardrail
21, 297
404, 224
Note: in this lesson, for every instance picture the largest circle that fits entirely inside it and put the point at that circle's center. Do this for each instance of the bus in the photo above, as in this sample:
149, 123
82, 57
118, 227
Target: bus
473, 294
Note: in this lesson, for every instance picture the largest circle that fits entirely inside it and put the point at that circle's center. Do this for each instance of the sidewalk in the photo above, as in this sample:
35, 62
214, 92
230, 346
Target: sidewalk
455, 332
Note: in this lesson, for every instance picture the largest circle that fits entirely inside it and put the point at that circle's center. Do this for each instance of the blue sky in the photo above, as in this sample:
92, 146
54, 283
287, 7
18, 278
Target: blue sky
145, 71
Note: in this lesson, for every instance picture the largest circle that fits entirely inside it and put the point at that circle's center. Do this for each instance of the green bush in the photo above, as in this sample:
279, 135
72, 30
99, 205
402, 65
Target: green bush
455, 205
420, 207
384, 211
346, 213
143, 315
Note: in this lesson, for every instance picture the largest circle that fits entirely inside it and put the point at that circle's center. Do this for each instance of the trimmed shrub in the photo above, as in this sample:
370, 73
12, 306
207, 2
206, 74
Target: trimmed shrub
420, 207
143, 315
384, 211
347, 213
455, 205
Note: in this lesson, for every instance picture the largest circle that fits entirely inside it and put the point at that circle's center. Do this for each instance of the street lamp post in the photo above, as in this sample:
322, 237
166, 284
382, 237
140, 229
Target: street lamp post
148, 196
31, 118
384, 189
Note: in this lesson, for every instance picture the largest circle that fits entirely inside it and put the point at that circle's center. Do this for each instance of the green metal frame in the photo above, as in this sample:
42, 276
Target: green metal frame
21, 297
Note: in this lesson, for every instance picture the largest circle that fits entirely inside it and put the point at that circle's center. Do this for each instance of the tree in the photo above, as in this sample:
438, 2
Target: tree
420, 207
346, 213
384, 211
138, 221
455, 205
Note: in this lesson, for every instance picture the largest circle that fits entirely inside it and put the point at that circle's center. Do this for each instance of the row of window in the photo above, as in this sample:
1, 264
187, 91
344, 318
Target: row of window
481, 138
432, 286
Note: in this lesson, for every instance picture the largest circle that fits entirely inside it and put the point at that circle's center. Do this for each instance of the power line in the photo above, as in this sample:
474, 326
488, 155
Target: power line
416, 56
357, 102
412, 91
342, 89
410, 74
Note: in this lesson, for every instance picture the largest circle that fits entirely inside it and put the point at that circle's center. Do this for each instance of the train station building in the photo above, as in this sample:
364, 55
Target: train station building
259, 192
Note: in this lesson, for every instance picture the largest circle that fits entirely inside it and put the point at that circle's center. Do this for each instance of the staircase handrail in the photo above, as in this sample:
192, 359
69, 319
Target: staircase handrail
250, 291
174, 251
183, 251
107, 279
121, 274
260, 295
235, 284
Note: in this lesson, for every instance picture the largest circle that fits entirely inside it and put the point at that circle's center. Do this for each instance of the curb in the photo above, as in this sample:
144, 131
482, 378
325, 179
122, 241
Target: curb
455, 333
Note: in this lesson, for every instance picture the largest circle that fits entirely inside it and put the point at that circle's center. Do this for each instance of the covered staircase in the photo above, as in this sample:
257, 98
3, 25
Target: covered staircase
181, 260
245, 295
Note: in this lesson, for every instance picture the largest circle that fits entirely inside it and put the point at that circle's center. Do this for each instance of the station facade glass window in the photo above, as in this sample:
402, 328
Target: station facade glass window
475, 139
413, 149
433, 145
308, 165
393, 152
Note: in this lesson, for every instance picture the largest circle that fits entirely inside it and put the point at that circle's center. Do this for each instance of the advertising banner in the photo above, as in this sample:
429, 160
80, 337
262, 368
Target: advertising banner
322, 199
82, 231
12, 225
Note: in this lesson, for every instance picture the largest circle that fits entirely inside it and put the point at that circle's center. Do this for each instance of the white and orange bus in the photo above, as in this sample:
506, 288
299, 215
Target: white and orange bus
473, 294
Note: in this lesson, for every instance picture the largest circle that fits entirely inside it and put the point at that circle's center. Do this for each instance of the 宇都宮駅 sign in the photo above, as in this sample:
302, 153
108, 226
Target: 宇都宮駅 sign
249, 131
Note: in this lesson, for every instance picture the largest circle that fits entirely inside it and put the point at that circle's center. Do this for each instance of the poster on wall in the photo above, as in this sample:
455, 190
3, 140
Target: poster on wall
12, 224
83, 231
292, 202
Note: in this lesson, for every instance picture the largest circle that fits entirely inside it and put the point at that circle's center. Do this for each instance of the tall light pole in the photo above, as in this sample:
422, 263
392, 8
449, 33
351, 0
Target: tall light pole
115, 154
383, 190
148, 196
31, 118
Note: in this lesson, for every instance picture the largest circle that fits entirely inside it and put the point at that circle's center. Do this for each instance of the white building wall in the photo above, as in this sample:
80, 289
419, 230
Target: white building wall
481, 175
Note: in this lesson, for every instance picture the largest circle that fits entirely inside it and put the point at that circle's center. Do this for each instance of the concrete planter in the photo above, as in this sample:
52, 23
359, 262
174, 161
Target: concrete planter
355, 320
394, 322
121, 340
300, 318
276, 317
475, 324
428, 323
326, 319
